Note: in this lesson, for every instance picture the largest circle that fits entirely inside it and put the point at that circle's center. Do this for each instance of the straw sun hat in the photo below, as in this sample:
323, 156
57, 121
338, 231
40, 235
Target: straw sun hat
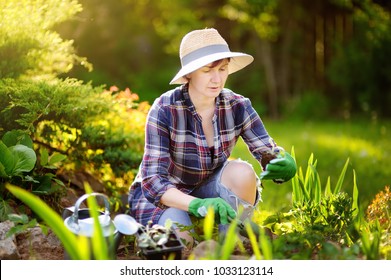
201, 47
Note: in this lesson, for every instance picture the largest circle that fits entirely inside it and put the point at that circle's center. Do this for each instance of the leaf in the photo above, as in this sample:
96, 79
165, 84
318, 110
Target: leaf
327, 190
2, 171
19, 219
163, 240
168, 224
209, 224
6, 159
15, 137
355, 204
5, 210
229, 241
253, 241
56, 158
24, 157
44, 157
341, 178
99, 245
317, 188
266, 245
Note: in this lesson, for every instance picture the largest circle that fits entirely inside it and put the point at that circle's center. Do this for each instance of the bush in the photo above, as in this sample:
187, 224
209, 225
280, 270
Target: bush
380, 209
100, 131
28, 46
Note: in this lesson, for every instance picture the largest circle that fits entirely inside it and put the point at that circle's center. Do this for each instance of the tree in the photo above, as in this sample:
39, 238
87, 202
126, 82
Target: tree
28, 45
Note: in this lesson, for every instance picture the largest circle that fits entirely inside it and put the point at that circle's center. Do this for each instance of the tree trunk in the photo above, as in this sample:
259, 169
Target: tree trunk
265, 50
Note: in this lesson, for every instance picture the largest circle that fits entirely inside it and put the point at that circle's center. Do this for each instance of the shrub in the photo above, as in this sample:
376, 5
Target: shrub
28, 45
380, 208
100, 131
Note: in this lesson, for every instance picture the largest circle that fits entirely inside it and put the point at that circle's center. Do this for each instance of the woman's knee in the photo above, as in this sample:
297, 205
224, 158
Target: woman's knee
239, 176
238, 172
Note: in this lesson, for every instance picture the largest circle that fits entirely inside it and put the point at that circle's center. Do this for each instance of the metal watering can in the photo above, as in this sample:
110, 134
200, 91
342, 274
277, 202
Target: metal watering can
79, 221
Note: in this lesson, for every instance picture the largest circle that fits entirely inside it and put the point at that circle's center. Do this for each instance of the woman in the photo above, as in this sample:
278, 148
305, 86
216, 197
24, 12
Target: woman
190, 133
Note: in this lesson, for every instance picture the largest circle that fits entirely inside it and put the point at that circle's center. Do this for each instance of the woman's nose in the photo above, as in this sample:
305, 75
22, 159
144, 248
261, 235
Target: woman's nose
216, 78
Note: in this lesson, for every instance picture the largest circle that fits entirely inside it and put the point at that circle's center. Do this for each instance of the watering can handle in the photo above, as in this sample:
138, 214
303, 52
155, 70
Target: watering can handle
74, 219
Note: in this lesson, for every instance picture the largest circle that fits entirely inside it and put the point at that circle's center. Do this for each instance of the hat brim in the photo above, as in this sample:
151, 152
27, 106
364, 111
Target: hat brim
238, 61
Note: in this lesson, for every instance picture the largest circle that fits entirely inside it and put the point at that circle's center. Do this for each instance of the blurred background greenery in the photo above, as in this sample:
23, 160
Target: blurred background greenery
325, 58
321, 79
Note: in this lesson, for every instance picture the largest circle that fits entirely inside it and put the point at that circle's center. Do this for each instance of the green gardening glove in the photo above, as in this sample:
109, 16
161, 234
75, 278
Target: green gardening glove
199, 207
280, 169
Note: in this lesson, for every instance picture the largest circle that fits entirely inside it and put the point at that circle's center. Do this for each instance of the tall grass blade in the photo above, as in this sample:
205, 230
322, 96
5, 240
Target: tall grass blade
99, 243
355, 204
253, 241
209, 224
308, 177
229, 241
317, 188
327, 190
266, 245
341, 178
304, 191
297, 194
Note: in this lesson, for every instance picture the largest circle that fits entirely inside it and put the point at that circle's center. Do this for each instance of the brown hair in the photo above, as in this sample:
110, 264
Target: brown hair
217, 62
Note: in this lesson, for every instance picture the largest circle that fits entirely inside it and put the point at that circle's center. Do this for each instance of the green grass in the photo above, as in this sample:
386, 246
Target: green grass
366, 143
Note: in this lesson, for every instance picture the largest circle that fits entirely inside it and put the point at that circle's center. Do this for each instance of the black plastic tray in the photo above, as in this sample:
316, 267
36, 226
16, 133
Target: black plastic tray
172, 250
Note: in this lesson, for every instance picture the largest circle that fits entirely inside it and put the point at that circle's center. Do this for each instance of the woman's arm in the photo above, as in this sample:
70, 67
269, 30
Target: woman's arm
175, 198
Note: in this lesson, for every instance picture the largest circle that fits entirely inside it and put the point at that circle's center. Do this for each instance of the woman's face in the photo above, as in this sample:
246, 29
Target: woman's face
208, 81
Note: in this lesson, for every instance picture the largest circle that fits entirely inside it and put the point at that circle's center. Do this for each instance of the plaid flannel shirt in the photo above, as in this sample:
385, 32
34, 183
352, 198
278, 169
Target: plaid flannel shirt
176, 153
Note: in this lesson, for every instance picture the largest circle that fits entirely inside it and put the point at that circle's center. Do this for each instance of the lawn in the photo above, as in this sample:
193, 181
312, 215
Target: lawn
367, 144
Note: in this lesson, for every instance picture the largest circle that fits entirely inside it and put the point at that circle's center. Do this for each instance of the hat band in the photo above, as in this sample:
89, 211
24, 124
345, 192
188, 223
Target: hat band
194, 55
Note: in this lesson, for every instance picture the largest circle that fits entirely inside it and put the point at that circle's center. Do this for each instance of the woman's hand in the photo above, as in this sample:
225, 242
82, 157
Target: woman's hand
281, 169
223, 211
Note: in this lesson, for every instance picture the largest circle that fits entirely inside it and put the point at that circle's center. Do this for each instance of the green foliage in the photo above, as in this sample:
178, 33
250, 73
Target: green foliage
27, 103
260, 15
315, 219
380, 208
21, 223
307, 105
16, 159
99, 131
360, 71
28, 45
378, 215
308, 188
19, 165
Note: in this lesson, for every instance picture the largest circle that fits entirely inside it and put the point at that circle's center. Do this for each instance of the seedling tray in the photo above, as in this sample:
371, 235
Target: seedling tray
172, 250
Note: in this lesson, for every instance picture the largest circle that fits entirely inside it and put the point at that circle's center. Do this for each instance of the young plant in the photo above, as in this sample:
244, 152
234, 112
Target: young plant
19, 166
155, 236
